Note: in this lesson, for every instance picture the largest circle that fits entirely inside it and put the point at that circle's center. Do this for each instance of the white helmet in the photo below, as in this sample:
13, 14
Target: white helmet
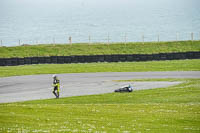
54, 76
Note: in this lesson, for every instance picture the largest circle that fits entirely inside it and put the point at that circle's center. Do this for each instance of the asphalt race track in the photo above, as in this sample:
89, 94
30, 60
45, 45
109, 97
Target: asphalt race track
31, 87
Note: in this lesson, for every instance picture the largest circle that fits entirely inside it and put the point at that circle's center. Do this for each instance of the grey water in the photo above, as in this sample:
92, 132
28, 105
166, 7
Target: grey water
53, 21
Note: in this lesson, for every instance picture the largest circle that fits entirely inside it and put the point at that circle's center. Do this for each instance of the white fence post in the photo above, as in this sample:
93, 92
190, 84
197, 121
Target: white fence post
158, 38
125, 38
108, 39
143, 38
176, 36
54, 42
89, 39
192, 36
19, 42
70, 40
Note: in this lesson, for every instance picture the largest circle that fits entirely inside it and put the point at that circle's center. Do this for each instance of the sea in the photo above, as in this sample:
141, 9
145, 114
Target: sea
93, 21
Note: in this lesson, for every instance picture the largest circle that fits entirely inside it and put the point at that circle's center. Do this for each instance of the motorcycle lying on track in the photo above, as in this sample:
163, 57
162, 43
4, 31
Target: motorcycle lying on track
128, 88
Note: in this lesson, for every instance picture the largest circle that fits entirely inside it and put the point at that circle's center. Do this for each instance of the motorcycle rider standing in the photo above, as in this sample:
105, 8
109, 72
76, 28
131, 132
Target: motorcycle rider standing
56, 85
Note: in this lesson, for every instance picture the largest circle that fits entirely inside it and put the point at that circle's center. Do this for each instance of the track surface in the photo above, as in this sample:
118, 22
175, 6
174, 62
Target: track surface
22, 88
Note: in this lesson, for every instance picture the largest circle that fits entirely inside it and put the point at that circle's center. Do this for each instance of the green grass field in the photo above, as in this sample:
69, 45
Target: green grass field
175, 65
99, 49
172, 109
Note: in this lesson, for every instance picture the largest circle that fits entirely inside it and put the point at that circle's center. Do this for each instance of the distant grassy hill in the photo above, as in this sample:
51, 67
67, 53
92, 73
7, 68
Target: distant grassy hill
98, 49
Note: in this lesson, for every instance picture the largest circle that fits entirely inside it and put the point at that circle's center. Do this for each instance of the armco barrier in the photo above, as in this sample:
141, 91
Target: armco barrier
98, 58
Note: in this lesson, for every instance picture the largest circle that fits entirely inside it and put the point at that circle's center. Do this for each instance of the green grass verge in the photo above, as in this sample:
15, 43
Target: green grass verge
172, 109
175, 65
99, 49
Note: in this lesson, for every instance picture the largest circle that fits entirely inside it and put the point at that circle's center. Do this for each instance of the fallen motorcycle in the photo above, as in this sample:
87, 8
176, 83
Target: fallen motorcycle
128, 88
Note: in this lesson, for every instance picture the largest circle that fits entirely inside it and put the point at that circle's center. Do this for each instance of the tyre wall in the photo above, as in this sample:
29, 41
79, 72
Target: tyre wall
98, 58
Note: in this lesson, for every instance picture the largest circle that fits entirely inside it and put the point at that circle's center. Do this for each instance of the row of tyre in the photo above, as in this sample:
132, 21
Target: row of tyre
97, 58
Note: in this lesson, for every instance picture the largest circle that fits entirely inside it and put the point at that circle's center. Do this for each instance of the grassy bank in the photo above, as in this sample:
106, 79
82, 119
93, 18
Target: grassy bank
172, 109
99, 49
175, 65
